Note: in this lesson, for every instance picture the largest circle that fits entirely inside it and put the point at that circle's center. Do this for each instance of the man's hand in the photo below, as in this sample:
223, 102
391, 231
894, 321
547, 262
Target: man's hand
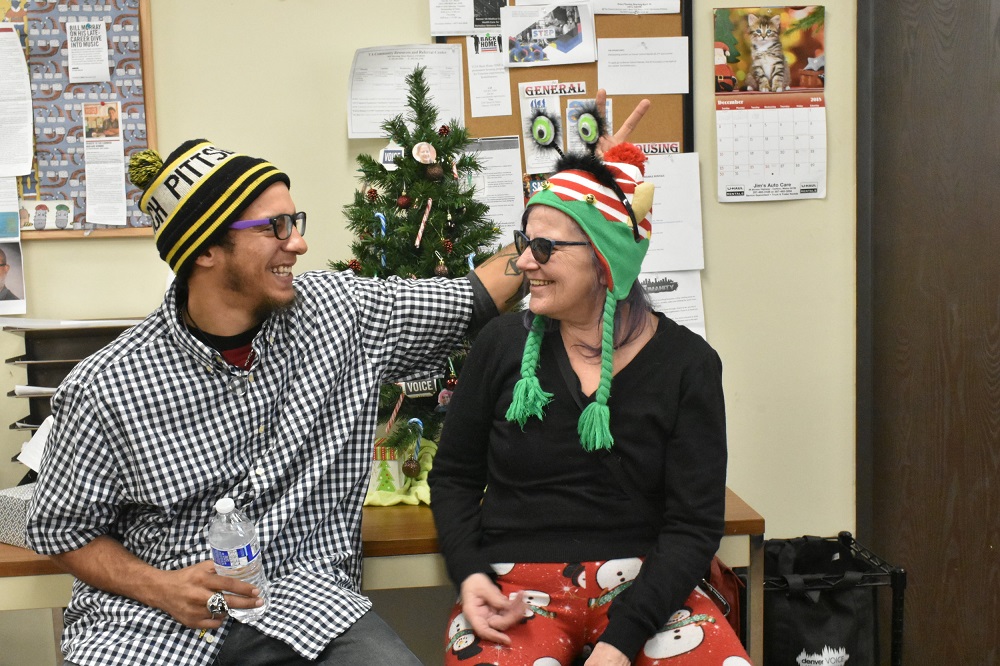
488, 611
184, 595
623, 133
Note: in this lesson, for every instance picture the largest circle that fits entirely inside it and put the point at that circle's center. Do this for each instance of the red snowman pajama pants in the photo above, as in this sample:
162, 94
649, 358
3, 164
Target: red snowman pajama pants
566, 614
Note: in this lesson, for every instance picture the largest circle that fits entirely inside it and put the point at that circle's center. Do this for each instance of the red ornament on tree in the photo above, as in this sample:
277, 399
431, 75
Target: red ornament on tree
444, 130
451, 382
448, 245
404, 201
354, 265
372, 195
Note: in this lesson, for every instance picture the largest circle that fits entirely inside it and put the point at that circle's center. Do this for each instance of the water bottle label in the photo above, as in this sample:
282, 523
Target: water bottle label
235, 557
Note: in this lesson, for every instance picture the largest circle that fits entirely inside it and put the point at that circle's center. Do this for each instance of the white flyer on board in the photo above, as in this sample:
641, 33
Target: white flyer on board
15, 106
678, 295
104, 152
676, 243
534, 109
489, 79
643, 65
378, 91
499, 184
88, 52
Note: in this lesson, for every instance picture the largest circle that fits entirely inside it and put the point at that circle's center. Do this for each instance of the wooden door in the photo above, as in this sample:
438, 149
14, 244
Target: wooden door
929, 316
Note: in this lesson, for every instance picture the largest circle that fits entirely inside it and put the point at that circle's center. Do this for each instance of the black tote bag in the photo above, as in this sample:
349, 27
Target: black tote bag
815, 611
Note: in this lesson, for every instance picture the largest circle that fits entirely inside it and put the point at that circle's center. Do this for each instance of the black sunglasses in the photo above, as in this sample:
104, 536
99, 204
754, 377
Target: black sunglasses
281, 224
541, 248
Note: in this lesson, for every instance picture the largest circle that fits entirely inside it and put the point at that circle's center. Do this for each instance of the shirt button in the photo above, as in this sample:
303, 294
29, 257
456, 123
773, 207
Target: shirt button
260, 471
261, 430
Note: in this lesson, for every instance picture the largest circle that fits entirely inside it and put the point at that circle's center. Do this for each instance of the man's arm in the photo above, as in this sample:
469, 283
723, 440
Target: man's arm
502, 278
106, 564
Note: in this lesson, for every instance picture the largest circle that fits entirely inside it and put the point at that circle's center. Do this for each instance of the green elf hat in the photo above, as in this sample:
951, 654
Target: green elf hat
195, 194
611, 203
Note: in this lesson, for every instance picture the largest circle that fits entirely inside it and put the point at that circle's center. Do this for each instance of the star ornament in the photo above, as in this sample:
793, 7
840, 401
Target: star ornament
816, 64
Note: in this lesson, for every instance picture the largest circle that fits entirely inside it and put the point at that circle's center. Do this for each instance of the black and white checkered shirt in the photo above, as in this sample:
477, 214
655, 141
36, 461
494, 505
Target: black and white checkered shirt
147, 437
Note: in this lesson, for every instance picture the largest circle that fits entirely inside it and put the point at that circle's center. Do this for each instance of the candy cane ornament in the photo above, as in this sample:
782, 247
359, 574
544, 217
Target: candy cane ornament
423, 222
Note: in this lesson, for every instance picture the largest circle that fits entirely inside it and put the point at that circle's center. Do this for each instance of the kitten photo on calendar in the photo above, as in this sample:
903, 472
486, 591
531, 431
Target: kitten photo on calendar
769, 49
768, 66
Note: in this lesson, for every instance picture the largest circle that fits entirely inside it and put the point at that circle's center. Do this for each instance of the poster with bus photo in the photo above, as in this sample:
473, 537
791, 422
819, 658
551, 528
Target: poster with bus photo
549, 35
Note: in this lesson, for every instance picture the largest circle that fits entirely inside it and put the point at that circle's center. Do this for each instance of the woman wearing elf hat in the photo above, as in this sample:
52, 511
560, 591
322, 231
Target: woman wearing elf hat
579, 485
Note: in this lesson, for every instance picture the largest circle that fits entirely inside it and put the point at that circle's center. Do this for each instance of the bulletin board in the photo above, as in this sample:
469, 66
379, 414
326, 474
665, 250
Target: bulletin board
668, 119
58, 168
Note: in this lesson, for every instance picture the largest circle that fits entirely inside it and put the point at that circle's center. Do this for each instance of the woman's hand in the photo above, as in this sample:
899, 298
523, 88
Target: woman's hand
488, 611
623, 133
605, 654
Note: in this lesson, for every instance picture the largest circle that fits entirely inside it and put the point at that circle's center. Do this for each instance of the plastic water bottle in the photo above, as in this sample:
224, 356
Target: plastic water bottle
236, 553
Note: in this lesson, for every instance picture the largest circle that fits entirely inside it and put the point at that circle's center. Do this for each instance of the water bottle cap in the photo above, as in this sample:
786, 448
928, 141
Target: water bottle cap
225, 505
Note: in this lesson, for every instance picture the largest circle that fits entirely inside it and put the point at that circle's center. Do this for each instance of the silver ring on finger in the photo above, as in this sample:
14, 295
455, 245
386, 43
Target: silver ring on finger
217, 605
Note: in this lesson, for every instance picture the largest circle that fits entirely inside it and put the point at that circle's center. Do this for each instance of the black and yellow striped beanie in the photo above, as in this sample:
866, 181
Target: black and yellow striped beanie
195, 194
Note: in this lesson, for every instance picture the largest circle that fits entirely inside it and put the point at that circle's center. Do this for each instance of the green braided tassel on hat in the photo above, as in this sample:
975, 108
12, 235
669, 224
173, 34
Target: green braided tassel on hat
143, 167
529, 398
594, 426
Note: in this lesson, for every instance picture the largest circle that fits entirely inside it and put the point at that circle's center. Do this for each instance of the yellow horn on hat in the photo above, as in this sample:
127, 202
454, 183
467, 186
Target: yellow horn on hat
642, 199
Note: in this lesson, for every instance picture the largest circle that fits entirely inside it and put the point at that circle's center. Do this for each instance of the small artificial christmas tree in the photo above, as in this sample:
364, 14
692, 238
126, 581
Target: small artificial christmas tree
418, 220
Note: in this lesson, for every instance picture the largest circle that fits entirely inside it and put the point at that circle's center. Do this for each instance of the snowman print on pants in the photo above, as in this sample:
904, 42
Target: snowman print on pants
535, 602
614, 577
502, 568
462, 641
681, 634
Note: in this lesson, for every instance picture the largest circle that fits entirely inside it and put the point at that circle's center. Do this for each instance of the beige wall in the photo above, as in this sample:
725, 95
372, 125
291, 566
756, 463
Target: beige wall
780, 308
269, 77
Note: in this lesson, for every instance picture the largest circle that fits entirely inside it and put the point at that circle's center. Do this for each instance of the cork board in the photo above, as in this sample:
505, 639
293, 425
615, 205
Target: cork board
669, 117
58, 171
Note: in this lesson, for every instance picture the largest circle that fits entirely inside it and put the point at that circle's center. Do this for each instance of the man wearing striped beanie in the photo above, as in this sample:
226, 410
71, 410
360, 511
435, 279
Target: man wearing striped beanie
251, 383
194, 195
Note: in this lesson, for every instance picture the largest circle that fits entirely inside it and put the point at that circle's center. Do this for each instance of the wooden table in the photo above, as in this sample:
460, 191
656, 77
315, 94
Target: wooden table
741, 519
401, 550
